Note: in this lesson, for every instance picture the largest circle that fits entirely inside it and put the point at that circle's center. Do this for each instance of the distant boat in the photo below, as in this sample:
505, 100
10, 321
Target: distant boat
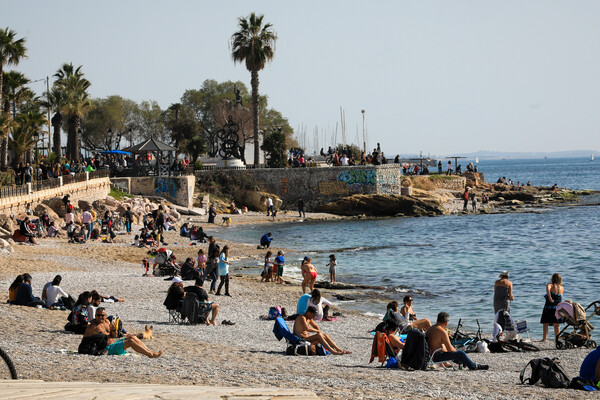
477, 159
592, 159
545, 157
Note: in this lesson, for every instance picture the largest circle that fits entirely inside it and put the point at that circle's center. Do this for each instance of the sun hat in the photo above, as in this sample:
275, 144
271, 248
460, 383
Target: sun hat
504, 273
177, 280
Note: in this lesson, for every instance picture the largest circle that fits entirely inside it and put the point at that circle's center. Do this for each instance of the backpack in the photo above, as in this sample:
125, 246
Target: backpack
415, 354
95, 234
300, 349
547, 370
274, 312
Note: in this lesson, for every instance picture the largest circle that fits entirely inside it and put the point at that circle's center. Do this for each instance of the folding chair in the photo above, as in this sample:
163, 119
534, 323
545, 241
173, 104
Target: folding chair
522, 328
382, 349
281, 331
174, 316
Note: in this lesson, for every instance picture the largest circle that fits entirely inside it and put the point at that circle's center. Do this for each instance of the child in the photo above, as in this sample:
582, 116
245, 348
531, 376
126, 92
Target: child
332, 264
267, 272
202, 263
136, 241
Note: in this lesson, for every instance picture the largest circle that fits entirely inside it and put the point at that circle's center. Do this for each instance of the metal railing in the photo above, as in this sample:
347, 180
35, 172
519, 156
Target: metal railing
42, 184
11, 191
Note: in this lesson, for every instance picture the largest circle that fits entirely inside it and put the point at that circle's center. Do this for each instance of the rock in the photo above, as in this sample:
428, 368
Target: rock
57, 205
383, 205
513, 203
84, 205
7, 223
256, 200
110, 201
40, 208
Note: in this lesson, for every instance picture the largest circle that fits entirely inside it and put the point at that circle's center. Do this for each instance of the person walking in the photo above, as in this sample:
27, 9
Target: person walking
128, 219
213, 263
466, 199
301, 212
224, 271
269, 206
554, 295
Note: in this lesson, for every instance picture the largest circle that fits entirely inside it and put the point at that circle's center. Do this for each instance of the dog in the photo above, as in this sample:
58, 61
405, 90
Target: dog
147, 334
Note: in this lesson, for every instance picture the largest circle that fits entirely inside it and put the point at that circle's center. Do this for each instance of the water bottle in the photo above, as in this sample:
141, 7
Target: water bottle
460, 366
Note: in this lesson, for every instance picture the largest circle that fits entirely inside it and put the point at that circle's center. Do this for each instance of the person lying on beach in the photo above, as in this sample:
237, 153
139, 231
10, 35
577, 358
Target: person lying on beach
203, 297
304, 326
408, 313
101, 325
437, 337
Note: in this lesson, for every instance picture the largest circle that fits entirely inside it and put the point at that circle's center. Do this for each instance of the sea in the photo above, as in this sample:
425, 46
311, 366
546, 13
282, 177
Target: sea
450, 263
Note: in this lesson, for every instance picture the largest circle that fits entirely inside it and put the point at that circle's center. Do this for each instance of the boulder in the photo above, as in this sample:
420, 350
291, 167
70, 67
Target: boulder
84, 205
57, 205
5, 246
40, 208
110, 201
7, 223
383, 205
256, 200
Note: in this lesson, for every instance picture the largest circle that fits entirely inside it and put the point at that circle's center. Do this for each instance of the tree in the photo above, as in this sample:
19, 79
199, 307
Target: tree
108, 120
12, 50
149, 120
23, 133
253, 44
13, 93
274, 146
77, 102
194, 147
56, 100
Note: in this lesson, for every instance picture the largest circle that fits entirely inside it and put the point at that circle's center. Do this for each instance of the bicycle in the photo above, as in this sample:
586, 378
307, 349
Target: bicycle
463, 342
9, 367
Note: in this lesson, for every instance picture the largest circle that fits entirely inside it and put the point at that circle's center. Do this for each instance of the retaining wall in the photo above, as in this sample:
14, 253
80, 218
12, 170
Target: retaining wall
318, 186
89, 190
178, 190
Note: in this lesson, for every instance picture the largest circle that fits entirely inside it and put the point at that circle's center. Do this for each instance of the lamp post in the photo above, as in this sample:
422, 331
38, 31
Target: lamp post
364, 137
36, 137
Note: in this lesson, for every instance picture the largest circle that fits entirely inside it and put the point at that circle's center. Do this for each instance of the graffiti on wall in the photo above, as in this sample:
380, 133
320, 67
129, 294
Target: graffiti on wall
358, 176
333, 188
165, 186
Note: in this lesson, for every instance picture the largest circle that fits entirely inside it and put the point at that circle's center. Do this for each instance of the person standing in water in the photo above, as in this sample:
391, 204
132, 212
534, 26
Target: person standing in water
332, 267
503, 293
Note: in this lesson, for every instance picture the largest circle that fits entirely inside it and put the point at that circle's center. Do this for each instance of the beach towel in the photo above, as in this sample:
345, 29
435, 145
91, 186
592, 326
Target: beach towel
302, 304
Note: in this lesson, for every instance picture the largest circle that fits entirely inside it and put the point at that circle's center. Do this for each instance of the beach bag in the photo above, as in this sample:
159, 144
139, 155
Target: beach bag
548, 371
68, 302
93, 345
300, 349
274, 312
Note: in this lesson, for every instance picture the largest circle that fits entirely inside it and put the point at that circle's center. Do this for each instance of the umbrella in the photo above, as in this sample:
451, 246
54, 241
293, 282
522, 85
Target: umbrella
116, 152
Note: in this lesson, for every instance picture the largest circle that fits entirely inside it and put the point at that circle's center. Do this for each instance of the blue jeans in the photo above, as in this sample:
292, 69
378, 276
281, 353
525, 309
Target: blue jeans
213, 284
88, 228
459, 357
128, 226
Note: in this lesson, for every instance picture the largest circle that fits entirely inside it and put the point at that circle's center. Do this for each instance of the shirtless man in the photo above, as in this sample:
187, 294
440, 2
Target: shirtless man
437, 337
100, 325
304, 325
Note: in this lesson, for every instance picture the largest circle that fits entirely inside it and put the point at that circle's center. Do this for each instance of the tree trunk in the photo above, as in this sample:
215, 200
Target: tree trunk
71, 137
254, 83
77, 143
4, 149
56, 124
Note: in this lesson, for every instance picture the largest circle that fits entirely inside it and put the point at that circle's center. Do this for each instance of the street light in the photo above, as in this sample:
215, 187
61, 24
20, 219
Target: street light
364, 137
36, 137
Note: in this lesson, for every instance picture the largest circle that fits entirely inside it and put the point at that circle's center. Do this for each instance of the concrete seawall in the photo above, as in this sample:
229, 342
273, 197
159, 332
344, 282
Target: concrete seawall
178, 190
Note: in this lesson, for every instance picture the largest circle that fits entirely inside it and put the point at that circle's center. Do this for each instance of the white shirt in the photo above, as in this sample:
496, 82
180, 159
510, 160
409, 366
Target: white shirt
86, 217
319, 307
269, 202
344, 160
53, 293
68, 218
91, 312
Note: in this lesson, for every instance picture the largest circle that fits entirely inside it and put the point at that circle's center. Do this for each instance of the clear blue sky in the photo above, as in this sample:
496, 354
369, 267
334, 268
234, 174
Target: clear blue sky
438, 76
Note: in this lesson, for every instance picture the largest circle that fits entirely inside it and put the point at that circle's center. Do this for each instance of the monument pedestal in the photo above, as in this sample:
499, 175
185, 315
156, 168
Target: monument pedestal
231, 163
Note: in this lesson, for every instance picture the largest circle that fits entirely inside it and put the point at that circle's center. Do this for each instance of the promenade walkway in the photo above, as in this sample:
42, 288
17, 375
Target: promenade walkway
32, 389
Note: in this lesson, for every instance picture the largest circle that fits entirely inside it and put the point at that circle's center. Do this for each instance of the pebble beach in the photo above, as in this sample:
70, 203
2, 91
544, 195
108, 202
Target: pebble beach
242, 355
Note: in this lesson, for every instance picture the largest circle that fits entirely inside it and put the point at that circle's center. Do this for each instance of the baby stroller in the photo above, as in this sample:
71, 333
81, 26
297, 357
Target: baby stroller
574, 316
166, 266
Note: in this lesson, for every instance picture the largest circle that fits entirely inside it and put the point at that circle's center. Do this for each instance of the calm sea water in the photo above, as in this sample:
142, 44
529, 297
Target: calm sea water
450, 263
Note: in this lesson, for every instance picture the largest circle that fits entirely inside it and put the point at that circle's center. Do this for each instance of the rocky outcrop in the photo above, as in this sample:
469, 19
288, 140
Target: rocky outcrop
57, 205
379, 205
256, 200
41, 208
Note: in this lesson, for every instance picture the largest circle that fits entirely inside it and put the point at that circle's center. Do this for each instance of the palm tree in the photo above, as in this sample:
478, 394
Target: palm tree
13, 91
11, 52
56, 100
23, 133
253, 44
77, 102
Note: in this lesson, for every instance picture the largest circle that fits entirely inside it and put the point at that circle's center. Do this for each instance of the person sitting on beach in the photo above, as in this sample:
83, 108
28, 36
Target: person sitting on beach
265, 240
14, 287
321, 304
590, 367
26, 231
94, 304
184, 230
25, 295
175, 295
188, 271
408, 313
437, 337
390, 328
392, 314
101, 325
304, 326
309, 274
267, 272
203, 297
53, 230
53, 293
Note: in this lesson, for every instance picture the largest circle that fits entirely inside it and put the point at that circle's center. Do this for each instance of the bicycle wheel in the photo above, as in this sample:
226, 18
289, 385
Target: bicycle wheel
526, 346
7, 370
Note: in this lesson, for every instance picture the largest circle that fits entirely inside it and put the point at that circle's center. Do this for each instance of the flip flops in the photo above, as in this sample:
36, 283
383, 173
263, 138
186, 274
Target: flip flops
227, 322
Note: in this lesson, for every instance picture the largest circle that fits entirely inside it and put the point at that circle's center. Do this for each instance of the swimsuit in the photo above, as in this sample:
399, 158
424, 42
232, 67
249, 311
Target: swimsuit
117, 348
313, 274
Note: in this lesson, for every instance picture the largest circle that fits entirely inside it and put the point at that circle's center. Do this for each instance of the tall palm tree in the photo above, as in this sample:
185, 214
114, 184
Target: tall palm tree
12, 50
23, 133
254, 44
56, 100
13, 92
77, 102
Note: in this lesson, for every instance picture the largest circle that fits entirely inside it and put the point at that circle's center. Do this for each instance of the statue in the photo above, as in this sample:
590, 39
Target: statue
229, 139
238, 97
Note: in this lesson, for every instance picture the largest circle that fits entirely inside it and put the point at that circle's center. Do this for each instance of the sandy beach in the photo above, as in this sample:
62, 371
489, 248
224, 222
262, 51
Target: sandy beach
243, 355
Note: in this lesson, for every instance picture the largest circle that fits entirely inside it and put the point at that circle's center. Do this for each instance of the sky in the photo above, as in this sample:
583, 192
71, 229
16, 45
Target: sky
442, 77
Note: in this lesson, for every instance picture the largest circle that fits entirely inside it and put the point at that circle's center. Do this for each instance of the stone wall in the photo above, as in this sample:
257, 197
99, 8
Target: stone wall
89, 190
318, 186
178, 190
